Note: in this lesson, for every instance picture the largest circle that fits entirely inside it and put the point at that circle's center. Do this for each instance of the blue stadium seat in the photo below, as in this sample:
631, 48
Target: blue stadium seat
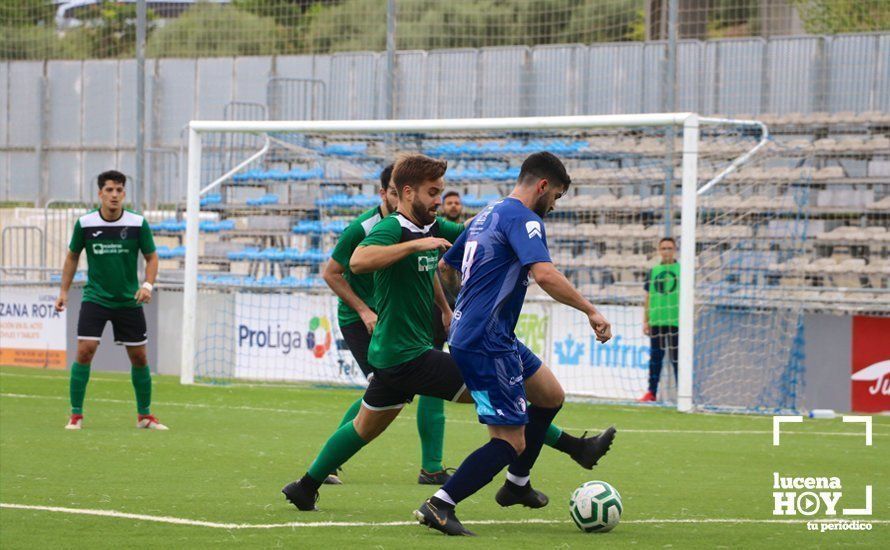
210, 199
267, 199
345, 149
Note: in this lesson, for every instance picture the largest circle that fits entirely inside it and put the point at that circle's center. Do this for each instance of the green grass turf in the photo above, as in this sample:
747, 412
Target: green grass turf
224, 462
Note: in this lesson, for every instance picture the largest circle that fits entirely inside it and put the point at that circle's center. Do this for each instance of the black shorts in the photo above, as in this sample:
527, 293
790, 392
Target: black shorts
439, 334
434, 373
358, 341
128, 324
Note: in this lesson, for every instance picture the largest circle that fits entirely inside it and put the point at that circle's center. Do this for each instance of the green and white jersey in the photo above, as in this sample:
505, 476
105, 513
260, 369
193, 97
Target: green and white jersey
403, 292
112, 250
362, 284
663, 285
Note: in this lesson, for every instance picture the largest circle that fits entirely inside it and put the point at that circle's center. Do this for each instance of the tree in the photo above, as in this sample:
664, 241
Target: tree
841, 16
108, 29
23, 13
431, 24
216, 30
36, 42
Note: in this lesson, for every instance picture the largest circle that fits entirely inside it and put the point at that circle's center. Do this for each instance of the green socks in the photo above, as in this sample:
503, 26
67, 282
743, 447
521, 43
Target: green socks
80, 375
431, 428
141, 377
339, 448
552, 435
351, 412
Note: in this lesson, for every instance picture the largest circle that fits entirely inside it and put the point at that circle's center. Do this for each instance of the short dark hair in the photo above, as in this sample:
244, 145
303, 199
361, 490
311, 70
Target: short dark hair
112, 175
414, 169
450, 193
544, 165
385, 176
671, 239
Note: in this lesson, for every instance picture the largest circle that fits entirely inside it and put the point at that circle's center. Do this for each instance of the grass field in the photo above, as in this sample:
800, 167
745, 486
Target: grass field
687, 481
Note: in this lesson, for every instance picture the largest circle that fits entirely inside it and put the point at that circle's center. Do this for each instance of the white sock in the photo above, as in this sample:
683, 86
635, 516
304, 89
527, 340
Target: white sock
442, 495
521, 481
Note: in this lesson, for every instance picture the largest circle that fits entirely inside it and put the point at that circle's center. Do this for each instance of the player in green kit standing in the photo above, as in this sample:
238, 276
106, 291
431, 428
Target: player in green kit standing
402, 251
357, 317
113, 238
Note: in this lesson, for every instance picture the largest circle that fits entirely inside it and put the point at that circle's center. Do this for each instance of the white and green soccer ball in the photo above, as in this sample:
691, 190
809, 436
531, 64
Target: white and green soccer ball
595, 507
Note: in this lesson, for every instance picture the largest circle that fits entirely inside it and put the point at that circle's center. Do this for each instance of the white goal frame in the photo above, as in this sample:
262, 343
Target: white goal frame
687, 122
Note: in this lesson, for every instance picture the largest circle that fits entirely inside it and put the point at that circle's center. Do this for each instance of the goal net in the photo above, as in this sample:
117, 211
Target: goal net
267, 201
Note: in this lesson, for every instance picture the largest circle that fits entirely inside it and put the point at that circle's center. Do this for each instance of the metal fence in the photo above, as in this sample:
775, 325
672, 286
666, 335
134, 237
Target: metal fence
65, 121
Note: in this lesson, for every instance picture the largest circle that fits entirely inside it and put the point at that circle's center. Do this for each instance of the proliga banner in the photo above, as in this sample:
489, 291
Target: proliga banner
32, 332
291, 337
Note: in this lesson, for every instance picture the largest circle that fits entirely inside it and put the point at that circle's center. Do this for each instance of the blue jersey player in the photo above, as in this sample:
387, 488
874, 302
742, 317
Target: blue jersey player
516, 396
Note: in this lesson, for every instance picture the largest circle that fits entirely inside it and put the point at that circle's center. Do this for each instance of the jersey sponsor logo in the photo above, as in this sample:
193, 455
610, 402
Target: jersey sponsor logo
427, 263
533, 228
665, 283
97, 233
101, 249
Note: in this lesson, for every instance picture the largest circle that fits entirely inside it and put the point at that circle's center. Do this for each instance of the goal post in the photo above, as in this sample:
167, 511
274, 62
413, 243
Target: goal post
692, 185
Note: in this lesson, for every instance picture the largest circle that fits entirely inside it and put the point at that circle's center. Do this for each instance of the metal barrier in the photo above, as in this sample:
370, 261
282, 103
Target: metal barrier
20, 251
163, 176
296, 99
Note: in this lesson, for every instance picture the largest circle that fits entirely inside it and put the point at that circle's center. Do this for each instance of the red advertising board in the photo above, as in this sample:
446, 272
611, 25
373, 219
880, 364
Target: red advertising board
870, 380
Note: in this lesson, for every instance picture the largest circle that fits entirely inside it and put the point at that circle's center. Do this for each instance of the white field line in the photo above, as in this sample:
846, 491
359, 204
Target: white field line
612, 406
449, 420
63, 377
301, 524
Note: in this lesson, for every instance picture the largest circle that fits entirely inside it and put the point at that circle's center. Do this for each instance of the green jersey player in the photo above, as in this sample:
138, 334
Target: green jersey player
357, 317
113, 238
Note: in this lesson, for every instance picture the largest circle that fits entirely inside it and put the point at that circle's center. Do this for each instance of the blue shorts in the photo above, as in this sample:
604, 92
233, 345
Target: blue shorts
496, 383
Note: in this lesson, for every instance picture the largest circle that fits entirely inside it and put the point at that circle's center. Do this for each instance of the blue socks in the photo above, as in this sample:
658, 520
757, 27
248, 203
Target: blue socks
539, 420
478, 469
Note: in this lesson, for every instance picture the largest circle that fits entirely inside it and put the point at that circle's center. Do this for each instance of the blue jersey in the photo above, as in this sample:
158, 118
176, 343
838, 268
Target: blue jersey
494, 255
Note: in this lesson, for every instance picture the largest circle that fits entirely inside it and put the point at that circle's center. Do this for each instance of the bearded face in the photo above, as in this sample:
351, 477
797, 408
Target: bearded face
546, 202
423, 212
391, 197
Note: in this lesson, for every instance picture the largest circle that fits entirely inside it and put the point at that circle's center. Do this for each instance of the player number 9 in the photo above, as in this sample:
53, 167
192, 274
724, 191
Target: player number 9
467, 261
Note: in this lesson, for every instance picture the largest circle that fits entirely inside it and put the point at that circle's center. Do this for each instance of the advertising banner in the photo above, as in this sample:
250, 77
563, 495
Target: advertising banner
618, 369
870, 380
533, 328
32, 332
291, 337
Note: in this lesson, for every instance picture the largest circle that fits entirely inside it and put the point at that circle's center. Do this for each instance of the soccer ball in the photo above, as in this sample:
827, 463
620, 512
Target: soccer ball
595, 507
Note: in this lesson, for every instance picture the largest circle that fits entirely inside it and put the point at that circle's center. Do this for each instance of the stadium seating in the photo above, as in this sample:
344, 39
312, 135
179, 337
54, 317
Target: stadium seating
828, 171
